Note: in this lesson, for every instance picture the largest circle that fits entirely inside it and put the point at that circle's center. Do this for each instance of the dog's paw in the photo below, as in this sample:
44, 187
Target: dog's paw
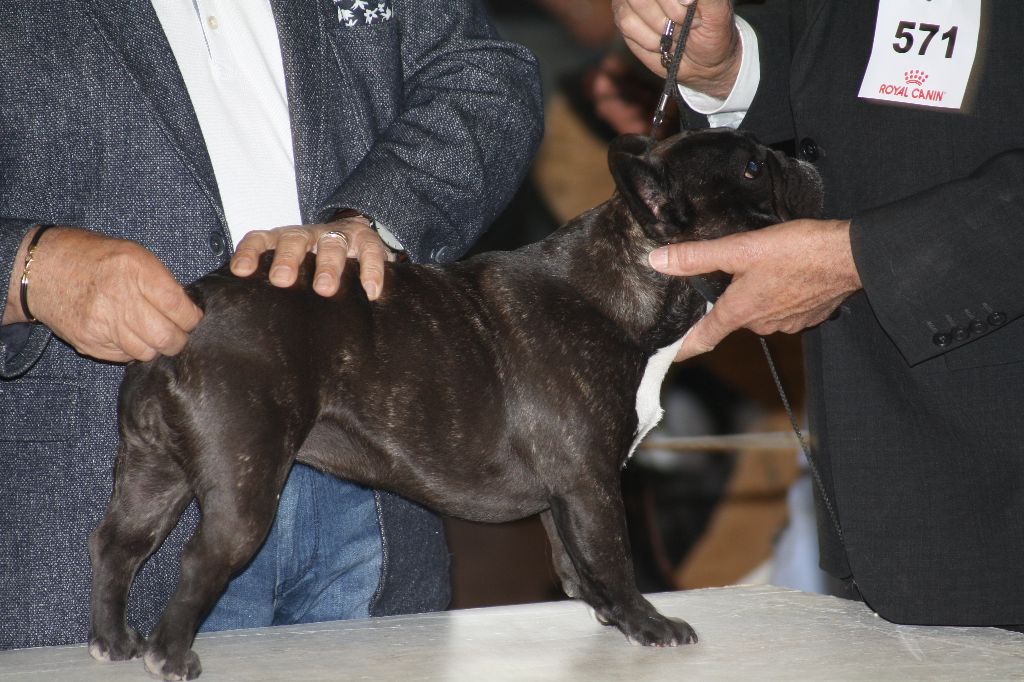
185, 667
123, 647
660, 631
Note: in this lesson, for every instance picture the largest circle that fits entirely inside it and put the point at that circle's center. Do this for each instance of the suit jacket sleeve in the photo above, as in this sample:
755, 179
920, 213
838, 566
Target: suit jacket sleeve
945, 257
470, 123
931, 262
20, 344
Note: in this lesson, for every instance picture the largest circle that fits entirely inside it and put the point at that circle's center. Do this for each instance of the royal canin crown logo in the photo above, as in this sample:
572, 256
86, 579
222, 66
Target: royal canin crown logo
911, 88
915, 77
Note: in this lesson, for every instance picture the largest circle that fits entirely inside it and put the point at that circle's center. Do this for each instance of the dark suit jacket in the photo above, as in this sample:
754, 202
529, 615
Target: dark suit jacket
426, 122
920, 443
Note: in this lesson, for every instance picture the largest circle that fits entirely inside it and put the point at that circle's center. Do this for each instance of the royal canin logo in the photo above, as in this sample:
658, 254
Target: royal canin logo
911, 88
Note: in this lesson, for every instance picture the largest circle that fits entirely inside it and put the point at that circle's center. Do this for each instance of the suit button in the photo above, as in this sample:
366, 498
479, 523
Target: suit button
996, 319
437, 254
978, 327
942, 340
960, 333
217, 243
808, 150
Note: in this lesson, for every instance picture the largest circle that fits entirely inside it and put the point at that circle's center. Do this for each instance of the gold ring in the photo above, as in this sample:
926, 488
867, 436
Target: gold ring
333, 234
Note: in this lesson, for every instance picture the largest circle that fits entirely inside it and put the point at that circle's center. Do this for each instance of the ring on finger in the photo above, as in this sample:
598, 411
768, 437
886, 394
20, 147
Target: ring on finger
333, 234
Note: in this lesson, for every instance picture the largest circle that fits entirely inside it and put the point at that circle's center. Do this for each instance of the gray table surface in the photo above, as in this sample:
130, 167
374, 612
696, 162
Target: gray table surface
746, 633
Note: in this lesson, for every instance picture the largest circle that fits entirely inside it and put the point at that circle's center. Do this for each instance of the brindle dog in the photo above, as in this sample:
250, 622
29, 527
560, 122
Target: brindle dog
509, 384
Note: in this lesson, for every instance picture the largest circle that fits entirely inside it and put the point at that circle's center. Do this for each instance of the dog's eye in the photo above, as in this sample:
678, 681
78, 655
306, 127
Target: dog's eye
753, 169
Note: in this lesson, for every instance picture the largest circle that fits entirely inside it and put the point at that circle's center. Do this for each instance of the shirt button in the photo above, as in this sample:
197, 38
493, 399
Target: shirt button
212, 22
942, 340
217, 243
809, 150
996, 319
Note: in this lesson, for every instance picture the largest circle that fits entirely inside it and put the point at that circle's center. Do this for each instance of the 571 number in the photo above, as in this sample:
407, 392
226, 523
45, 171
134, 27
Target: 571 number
906, 37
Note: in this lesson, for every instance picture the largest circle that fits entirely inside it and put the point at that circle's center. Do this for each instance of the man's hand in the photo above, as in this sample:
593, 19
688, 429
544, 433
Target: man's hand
713, 50
786, 278
292, 243
110, 299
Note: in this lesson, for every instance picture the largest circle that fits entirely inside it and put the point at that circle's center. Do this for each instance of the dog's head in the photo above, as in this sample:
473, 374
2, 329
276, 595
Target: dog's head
701, 185
709, 183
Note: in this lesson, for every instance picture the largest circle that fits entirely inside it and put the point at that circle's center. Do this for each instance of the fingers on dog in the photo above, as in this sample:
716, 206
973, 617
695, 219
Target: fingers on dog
371, 254
293, 243
247, 253
169, 299
706, 334
699, 258
148, 321
130, 346
332, 249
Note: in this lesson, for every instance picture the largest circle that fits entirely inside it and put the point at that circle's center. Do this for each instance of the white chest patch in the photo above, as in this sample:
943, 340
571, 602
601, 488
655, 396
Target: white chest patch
648, 395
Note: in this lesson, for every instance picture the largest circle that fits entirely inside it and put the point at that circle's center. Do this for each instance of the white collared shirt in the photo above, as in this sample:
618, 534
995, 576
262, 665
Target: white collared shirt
230, 57
729, 113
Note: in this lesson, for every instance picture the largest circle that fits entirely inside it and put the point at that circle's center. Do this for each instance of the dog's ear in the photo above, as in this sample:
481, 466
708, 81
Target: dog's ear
640, 179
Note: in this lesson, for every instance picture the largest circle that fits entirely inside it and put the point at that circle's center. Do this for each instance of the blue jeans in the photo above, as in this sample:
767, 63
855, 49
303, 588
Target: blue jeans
321, 561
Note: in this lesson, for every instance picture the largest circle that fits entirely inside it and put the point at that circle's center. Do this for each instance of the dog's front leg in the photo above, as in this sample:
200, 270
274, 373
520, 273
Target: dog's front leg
560, 557
591, 525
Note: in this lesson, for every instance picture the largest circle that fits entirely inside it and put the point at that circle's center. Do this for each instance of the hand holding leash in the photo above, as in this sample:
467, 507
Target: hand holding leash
713, 52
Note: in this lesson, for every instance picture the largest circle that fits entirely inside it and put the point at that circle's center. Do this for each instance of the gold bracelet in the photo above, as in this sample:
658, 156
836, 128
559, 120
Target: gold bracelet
29, 256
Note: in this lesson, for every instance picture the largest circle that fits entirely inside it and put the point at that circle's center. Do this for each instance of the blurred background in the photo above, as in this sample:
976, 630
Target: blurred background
697, 518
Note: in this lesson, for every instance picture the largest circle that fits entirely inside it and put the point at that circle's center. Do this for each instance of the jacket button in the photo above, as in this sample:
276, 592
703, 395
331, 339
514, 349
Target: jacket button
437, 254
809, 150
996, 319
960, 333
978, 327
942, 339
217, 243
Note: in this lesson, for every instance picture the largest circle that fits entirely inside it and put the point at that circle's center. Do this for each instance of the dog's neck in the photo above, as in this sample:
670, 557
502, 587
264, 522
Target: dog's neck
608, 265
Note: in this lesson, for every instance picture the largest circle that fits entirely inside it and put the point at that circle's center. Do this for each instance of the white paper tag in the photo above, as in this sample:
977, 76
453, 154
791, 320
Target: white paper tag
923, 52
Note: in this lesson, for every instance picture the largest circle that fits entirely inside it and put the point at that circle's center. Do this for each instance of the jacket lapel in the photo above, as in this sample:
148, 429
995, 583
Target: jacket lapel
302, 32
135, 35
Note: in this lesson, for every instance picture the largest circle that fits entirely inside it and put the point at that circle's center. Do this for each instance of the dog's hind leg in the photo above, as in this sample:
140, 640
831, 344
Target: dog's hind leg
592, 528
149, 495
238, 504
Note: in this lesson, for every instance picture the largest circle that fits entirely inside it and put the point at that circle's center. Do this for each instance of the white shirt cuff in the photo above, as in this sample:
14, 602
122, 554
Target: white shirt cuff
729, 113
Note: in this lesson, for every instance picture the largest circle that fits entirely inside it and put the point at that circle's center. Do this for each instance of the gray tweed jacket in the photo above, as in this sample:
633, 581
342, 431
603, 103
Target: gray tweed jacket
426, 121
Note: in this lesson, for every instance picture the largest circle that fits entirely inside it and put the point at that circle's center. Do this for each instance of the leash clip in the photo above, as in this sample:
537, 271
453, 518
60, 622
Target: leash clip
671, 59
666, 43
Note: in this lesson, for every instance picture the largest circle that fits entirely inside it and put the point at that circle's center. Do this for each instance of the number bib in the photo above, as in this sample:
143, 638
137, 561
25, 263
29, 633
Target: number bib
923, 52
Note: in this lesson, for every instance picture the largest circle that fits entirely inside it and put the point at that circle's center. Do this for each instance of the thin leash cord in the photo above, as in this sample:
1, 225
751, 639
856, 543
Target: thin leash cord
673, 65
672, 74
800, 437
